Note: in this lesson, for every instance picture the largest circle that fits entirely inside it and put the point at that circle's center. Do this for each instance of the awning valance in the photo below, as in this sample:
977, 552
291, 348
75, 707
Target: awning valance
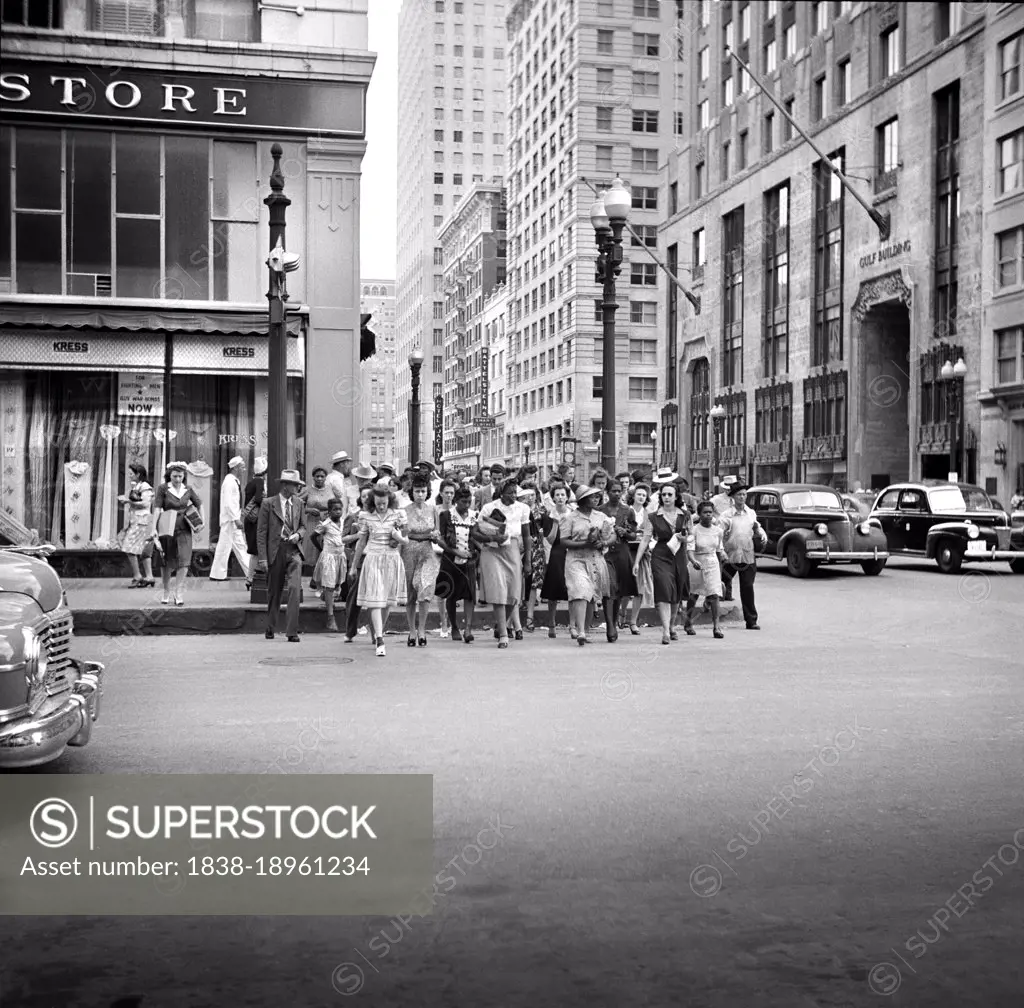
22, 316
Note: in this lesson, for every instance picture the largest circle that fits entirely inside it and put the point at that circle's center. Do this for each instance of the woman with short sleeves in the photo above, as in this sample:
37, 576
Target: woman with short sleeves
586, 533
173, 499
422, 560
382, 573
138, 536
669, 528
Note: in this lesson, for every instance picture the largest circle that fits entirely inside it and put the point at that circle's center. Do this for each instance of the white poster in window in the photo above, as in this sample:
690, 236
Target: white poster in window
140, 394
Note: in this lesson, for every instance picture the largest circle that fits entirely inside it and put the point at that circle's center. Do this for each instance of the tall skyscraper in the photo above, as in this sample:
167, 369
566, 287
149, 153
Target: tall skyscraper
451, 135
377, 384
592, 95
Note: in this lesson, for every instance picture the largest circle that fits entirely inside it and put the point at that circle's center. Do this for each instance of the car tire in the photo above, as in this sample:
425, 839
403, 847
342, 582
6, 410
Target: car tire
1017, 566
949, 555
797, 564
872, 567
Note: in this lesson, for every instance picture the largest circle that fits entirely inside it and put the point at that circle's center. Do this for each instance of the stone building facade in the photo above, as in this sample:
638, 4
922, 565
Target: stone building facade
823, 340
377, 376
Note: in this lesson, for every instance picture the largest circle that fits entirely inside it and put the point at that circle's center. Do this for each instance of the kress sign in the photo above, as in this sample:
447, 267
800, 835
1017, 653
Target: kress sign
104, 92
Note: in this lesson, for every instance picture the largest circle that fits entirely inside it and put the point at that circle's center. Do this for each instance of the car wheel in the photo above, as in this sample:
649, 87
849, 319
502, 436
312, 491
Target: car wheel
949, 556
797, 563
872, 567
1017, 566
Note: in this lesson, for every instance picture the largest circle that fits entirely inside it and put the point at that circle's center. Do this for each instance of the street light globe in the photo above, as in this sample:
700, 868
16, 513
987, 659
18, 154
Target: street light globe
717, 411
654, 435
415, 357
617, 201
960, 368
598, 214
947, 371
526, 446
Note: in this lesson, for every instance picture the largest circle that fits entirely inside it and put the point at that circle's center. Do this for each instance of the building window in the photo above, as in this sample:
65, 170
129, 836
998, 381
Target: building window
820, 18
639, 433
147, 234
643, 274
1009, 66
789, 42
597, 387
1009, 253
645, 44
1009, 356
644, 159
438, 178
951, 19
604, 119
136, 17
703, 64
645, 9
643, 351
699, 254
645, 121
645, 82
741, 151
703, 114
645, 234
947, 209
745, 23
890, 51
222, 20
770, 57
643, 389
32, 13
1011, 162
887, 139
773, 413
768, 133
732, 298
699, 181
678, 123
775, 338
673, 198
603, 161
827, 319
605, 80
825, 405
700, 405
819, 98
605, 41
724, 161
728, 92
844, 83
787, 124
643, 312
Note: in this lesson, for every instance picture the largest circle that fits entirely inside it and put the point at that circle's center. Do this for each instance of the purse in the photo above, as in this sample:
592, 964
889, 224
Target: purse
193, 517
166, 522
252, 511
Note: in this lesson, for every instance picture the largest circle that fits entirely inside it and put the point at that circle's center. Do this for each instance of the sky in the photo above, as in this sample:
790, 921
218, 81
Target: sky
379, 185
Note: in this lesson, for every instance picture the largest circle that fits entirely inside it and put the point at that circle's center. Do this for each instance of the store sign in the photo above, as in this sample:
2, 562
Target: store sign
438, 429
485, 380
884, 253
91, 351
140, 394
312, 108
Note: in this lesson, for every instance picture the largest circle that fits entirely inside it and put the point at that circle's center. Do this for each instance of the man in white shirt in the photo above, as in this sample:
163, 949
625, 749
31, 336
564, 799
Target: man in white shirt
722, 501
232, 537
341, 482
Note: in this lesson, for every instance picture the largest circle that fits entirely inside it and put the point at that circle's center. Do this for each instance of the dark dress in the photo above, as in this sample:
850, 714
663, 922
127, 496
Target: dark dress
553, 588
457, 581
619, 557
670, 573
255, 490
177, 547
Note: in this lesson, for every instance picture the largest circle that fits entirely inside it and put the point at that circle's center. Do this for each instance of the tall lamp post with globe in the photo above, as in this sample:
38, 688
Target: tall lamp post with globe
415, 363
654, 451
953, 378
717, 415
608, 215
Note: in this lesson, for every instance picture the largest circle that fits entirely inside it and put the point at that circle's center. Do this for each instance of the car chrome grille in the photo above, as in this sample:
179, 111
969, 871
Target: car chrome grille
56, 638
1003, 537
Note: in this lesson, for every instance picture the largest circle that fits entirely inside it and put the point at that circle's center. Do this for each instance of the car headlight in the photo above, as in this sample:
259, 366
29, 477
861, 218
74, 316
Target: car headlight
821, 528
864, 527
35, 656
972, 532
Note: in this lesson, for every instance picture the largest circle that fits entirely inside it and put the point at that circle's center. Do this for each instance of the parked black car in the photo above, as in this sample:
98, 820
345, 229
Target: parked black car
952, 523
808, 525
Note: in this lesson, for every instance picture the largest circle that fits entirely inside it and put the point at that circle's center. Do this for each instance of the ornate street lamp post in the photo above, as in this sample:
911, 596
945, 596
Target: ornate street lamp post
415, 363
654, 451
717, 415
526, 452
608, 215
953, 376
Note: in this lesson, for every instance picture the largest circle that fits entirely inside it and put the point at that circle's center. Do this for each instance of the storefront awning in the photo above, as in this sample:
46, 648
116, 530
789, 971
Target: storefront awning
20, 316
193, 353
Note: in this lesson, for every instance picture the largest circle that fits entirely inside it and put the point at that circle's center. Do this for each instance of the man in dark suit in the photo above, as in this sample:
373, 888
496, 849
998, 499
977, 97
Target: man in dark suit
278, 535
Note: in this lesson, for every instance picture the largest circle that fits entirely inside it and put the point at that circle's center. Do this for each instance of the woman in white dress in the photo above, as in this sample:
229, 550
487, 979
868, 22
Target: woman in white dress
331, 569
138, 536
382, 573
705, 553
585, 533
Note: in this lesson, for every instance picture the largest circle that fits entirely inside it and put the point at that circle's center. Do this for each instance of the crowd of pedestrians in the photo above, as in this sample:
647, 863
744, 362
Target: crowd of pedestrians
508, 542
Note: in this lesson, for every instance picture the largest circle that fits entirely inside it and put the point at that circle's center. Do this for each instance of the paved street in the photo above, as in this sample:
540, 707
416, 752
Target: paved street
648, 858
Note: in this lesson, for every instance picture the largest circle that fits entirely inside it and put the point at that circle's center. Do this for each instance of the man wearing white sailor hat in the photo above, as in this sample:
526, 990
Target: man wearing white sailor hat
231, 538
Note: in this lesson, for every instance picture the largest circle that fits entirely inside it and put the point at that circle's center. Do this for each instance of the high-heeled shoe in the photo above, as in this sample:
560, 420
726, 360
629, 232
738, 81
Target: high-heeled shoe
634, 629
530, 626
688, 630
551, 632
717, 634
613, 636
467, 638
423, 642
503, 642
573, 634
411, 642
135, 583
673, 635
519, 635
665, 639
581, 640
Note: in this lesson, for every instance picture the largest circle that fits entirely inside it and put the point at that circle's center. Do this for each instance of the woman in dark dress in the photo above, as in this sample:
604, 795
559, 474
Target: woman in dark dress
255, 491
173, 498
457, 577
669, 528
619, 558
553, 589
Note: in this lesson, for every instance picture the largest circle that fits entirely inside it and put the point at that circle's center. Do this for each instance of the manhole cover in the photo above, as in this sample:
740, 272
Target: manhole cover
292, 662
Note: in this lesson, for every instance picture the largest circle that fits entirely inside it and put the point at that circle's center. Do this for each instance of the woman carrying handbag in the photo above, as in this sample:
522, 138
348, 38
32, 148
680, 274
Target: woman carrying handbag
178, 515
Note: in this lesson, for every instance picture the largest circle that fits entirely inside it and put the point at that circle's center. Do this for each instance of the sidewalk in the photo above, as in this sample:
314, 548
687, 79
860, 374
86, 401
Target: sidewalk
108, 606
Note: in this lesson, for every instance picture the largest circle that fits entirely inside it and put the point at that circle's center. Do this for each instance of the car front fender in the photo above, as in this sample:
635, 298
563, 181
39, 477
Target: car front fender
20, 615
798, 535
946, 530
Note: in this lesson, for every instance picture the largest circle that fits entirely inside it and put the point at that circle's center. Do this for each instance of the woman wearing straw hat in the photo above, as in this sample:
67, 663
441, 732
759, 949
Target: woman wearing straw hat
668, 529
586, 532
